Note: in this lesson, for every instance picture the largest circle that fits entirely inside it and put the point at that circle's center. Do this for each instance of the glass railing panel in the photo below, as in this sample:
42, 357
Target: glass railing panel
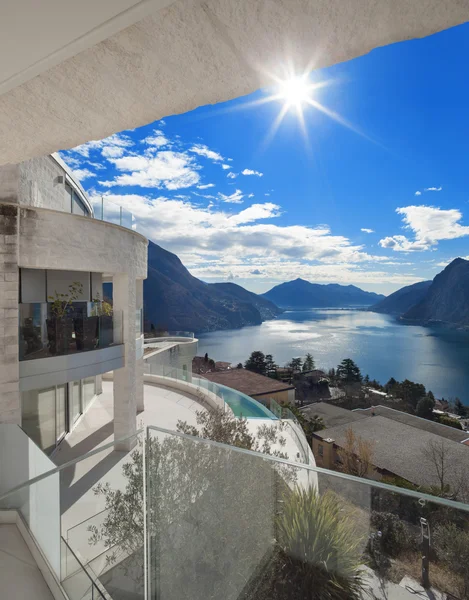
82, 327
235, 524
105, 210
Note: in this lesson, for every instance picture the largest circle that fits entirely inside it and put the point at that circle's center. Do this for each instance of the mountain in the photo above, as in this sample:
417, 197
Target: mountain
267, 309
175, 300
447, 299
403, 300
303, 294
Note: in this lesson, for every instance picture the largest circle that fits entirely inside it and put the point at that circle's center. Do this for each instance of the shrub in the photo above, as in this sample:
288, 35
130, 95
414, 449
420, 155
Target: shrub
450, 421
396, 536
317, 552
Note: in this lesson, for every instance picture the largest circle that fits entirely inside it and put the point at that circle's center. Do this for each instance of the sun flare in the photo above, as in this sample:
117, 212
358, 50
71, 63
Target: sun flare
296, 91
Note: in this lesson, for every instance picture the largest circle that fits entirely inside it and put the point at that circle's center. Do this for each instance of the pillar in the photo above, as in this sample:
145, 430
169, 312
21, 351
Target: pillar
125, 380
10, 404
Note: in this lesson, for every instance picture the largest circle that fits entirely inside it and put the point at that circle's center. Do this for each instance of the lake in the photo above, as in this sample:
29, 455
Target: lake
381, 346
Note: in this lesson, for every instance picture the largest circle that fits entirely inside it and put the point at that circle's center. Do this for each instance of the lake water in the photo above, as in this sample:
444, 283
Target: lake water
380, 346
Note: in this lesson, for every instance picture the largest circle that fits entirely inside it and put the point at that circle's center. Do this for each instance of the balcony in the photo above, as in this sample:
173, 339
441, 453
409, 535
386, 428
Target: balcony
184, 517
86, 326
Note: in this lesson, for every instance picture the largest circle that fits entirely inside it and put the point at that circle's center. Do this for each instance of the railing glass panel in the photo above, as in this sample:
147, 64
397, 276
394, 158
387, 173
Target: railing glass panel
84, 326
104, 210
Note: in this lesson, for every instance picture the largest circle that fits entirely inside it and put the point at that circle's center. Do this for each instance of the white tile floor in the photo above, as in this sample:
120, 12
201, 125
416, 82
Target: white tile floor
20, 578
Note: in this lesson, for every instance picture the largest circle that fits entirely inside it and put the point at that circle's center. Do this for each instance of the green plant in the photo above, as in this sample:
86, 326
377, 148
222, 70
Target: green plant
62, 303
452, 547
396, 536
318, 550
101, 308
450, 421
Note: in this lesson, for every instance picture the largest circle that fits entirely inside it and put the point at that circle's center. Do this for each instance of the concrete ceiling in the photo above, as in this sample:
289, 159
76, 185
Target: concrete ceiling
184, 55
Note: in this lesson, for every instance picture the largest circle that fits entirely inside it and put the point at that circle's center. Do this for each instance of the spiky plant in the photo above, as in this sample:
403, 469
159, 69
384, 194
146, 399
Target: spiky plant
318, 549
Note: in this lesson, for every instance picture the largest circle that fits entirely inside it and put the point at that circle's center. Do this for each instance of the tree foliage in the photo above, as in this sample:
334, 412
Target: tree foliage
348, 372
425, 407
356, 455
309, 364
256, 362
450, 421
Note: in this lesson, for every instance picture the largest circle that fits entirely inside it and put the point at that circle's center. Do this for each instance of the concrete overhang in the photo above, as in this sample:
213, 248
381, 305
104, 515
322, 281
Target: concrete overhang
117, 75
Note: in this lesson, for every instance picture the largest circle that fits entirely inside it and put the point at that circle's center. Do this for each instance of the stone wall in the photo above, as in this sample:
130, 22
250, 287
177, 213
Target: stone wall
39, 185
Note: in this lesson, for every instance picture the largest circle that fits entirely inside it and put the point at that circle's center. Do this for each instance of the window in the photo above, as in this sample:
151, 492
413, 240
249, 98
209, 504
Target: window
321, 450
78, 208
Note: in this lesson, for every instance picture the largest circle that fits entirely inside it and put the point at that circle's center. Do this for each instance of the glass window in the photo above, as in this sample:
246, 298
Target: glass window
39, 417
75, 401
89, 391
321, 450
78, 208
61, 407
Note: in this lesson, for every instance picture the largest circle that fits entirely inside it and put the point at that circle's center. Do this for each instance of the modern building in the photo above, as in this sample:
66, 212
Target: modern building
74, 72
55, 257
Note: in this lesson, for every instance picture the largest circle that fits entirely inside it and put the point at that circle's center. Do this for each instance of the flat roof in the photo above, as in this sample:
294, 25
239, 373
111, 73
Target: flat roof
248, 382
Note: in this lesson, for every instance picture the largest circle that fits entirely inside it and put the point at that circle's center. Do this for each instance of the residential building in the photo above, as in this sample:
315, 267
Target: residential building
398, 449
256, 386
74, 72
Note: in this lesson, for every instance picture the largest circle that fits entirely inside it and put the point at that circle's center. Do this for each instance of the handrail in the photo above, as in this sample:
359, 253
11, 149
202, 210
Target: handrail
94, 586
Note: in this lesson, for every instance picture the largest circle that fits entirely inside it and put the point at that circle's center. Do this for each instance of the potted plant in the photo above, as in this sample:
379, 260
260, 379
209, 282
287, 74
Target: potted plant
103, 310
60, 324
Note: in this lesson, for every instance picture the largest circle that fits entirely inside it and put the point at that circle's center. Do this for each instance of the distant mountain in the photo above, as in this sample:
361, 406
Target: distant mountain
267, 309
303, 294
175, 300
447, 299
403, 300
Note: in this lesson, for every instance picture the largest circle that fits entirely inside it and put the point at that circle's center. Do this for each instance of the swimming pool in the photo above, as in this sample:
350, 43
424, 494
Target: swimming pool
244, 406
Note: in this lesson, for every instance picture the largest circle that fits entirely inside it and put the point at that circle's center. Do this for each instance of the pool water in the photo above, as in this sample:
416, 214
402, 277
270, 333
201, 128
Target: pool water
244, 406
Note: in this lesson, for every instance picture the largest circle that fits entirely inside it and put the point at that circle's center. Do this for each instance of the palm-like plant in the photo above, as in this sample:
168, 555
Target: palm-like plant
319, 553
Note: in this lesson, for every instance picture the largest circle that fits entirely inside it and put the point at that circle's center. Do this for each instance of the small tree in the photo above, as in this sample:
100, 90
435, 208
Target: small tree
61, 304
459, 408
356, 455
295, 364
309, 365
256, 362
348, 372
425, 407
239, 366
270, 365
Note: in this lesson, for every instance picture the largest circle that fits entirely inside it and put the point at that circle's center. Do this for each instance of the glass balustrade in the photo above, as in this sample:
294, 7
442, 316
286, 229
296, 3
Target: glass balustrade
105, 210
83, 326
177, 516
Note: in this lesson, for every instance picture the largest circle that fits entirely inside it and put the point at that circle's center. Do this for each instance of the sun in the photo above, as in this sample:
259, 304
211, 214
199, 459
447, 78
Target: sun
296, 91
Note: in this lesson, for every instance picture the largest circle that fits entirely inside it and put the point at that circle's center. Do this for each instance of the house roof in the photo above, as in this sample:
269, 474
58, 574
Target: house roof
251, 384
450, 433
332, 415
403, 449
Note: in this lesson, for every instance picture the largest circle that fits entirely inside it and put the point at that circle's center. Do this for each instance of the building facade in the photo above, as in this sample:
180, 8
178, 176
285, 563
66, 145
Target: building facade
58, 336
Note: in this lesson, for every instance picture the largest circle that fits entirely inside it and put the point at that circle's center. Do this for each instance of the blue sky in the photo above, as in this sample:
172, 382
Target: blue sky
380, 204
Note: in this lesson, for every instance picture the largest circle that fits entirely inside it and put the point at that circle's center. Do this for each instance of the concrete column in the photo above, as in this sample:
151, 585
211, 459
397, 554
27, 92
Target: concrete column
125, 380
10, 404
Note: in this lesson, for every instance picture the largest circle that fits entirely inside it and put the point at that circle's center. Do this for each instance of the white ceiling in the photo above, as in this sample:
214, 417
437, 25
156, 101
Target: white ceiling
187, 54
37, 34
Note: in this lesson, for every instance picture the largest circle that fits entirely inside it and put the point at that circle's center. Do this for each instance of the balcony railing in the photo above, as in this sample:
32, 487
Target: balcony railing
184, 517
104, 210
43, 333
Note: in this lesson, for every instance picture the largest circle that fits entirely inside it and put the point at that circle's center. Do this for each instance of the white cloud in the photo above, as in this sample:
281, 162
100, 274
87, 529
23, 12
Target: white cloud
82, 174
205, 186
251, 172
250, 195
158, 139
235, 198
429, 226
433, 189
366, 230
203, 150
418, 193
114, 143
172, 170
232, 175
225, 167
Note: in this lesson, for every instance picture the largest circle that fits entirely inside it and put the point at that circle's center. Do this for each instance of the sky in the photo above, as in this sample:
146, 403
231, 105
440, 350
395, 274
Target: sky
370, 188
